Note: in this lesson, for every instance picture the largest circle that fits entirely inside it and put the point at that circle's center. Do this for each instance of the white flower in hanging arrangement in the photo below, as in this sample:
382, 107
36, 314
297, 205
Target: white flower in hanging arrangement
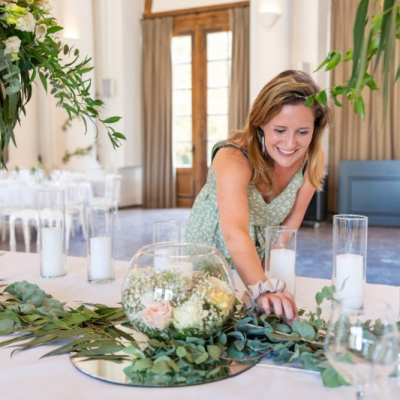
13, 44
40, 31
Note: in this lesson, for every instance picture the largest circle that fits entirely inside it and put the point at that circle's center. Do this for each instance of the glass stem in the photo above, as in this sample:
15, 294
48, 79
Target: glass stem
361, 391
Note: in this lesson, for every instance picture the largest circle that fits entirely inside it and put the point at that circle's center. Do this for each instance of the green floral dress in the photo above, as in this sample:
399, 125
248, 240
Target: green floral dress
204, 227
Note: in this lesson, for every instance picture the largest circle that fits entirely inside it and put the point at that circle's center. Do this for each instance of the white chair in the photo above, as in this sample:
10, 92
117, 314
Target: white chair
112, 194
26, 216
76, 198
11, 199
30, 215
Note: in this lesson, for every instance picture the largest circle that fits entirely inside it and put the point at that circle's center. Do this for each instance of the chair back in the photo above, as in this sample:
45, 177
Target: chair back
113, 188
76, 193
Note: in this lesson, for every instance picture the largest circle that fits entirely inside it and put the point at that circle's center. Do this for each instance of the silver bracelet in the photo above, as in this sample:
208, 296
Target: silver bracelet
257, 289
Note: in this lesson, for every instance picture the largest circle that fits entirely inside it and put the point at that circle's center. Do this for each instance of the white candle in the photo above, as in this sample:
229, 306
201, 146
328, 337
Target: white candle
101, 265
282, 266
350, 267
52, 257
184, 267
161, 258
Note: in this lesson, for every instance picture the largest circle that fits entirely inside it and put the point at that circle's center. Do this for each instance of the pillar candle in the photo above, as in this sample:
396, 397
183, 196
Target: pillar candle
350, 267
282, 266
101, 264
184, 267
52, 257
161, 258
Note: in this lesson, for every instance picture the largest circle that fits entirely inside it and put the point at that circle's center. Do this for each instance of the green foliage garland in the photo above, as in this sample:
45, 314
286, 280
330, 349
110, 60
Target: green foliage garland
92, 331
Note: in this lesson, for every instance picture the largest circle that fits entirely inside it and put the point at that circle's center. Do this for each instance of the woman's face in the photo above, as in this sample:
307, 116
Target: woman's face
288, 134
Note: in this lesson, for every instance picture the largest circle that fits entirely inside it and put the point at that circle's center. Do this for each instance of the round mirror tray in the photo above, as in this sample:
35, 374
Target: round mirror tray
113, 372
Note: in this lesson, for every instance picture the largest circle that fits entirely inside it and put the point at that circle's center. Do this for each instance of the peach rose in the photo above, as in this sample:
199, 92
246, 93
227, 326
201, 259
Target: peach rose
157, 315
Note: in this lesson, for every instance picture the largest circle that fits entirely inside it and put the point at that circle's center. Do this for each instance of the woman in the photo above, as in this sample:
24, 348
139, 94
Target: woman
266, 174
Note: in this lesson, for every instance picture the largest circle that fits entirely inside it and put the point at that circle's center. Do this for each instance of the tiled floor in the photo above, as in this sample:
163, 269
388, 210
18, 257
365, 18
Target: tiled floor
314, 245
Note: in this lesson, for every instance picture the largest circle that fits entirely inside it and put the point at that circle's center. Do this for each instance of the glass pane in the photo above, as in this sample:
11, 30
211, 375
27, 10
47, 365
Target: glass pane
182, 102
218, 46
183, 154
217, 73
217, 101
217, 127
181, 49
182, 128
182, 76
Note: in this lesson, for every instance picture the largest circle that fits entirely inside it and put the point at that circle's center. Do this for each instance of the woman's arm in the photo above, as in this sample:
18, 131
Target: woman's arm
233, 174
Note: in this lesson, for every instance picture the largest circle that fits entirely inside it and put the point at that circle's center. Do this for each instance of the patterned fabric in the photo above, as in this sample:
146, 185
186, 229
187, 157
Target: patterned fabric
204, 227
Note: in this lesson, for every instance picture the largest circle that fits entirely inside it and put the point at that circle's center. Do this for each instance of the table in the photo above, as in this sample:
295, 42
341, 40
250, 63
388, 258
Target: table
25, 375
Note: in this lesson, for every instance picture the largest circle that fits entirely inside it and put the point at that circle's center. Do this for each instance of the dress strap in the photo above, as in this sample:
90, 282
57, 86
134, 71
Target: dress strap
227, 143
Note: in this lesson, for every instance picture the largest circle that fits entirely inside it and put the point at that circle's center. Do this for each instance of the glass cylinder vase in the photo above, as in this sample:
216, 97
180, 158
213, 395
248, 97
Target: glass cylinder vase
350, 259
280, 255
100, 225
51, 225
166, 231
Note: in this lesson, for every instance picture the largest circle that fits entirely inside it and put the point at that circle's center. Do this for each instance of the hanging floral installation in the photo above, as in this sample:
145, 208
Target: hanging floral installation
30, 47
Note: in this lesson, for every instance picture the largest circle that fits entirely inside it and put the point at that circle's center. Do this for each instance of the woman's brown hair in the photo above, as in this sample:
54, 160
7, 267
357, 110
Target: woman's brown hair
289, 87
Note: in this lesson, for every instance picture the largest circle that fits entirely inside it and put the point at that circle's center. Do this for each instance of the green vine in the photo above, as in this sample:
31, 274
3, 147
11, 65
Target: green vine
80, 152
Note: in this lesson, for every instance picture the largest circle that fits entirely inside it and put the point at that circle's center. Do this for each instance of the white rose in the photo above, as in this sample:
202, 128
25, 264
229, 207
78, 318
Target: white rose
189, 315
40, 31
12, 45
30, 1
26, 23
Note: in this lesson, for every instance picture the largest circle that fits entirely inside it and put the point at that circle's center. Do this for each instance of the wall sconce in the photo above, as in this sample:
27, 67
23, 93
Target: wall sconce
269, 18
71, 33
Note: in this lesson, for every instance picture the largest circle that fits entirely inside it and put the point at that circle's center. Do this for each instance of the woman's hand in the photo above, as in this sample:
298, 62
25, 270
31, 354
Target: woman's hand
281, 304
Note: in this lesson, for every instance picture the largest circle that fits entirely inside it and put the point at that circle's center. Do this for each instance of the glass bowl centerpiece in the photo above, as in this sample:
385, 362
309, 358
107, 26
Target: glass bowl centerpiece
175, 290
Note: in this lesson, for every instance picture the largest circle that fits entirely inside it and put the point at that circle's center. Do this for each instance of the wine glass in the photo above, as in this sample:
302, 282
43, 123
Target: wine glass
362, 347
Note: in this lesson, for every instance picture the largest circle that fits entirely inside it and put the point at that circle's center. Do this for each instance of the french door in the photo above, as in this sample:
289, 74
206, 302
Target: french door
201, 60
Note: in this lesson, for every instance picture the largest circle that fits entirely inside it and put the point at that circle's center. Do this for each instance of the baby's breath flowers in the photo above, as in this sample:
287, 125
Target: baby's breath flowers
167, 304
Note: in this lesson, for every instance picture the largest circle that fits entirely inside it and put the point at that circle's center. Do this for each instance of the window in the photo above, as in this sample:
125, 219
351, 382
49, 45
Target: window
182, 100
219, 57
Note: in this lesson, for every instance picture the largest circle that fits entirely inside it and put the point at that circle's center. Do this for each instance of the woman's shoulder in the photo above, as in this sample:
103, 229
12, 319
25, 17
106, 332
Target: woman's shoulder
232, 165
229, 148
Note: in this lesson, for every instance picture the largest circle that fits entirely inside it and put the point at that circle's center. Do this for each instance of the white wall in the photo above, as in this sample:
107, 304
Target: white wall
270, 48
118, 50
25, 155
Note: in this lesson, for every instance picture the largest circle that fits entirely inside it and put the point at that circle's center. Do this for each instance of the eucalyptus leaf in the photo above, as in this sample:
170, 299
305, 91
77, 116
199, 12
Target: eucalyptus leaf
304, 329
6, 326
332, 379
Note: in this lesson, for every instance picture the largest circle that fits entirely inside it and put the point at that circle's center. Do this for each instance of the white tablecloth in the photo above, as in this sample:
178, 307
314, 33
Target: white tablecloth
26, 376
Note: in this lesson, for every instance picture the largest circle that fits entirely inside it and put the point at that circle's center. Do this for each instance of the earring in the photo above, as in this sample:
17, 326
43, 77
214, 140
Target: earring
263, 144
262, 138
